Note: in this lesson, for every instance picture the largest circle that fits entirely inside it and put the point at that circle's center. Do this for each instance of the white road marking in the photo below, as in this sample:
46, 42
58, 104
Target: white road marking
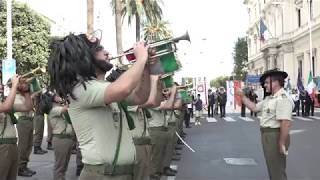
246, 119
229, 119
211, 119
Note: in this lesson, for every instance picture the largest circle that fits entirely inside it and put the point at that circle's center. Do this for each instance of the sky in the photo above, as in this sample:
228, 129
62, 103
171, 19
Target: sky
213, 26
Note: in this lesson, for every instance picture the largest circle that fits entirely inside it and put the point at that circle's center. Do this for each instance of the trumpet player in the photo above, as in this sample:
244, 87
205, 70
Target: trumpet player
24, 128
106, 143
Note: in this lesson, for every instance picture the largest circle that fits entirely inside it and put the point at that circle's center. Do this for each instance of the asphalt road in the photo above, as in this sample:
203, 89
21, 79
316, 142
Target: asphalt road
226, 149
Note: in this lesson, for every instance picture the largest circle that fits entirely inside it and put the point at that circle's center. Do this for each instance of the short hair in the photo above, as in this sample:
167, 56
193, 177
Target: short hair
199, 95
279, 78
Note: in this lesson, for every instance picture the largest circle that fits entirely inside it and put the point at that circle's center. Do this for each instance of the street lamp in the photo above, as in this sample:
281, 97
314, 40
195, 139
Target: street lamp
309, 26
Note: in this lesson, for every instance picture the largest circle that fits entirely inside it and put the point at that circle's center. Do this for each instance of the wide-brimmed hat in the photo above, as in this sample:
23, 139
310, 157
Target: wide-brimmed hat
273, 72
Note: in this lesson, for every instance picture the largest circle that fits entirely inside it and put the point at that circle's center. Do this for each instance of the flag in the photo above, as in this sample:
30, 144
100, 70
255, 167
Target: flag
311, 86
299, 82
263, 28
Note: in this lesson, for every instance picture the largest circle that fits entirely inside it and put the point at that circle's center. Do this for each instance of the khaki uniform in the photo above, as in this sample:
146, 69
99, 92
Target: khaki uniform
158, 132
8, 149
38, 129
25, 133
142, 142
62, 141
171, 137
38, 121
98, 134
274, 108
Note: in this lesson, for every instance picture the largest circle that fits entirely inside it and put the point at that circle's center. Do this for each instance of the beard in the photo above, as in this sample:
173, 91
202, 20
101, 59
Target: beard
103, 66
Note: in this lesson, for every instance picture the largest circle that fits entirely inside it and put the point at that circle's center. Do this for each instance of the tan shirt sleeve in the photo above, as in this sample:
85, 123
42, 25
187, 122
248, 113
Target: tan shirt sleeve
259, 105
284, 109
93, 95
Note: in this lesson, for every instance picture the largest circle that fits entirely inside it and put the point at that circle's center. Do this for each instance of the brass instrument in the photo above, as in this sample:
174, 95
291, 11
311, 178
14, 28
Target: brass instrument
156, 45
29, 76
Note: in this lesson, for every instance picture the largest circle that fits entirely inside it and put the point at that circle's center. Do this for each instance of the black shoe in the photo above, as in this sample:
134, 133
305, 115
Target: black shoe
178, 154
39, 150
31, 171
188, 127
49, 147
155, 177
24, 172
169, 172
178, 148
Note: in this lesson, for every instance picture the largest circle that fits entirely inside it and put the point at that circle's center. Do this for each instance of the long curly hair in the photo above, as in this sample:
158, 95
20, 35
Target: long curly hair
71, 62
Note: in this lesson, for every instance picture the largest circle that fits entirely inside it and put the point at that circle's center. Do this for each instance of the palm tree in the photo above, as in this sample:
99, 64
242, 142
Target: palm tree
89, 16
117, 10
158, 30
141, 9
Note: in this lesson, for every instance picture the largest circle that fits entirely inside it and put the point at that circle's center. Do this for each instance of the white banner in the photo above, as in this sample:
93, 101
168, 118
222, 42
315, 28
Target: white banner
230, 94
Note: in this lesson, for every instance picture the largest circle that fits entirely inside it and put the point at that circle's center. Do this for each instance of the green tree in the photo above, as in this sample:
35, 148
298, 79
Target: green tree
140, 9
240, 56
219, 82
157, 30
30, 36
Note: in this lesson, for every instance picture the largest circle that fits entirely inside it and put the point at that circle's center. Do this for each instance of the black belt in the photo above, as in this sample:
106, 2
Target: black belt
63, 136
8, 140
142, 141
106, 169
160, 128
267, 129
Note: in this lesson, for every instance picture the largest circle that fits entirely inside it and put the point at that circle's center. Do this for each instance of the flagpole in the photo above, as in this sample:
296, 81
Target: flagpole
9, 30
310, 36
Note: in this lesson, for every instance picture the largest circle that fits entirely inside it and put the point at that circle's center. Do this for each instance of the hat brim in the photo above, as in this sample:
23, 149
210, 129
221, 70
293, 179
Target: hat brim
283, 74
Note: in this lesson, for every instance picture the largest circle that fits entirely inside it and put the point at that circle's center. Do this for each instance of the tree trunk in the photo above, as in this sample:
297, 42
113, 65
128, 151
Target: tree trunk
89, 16
137, 27
118, 6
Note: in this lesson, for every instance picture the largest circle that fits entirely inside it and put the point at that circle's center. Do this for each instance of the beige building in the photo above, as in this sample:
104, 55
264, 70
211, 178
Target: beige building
286, 44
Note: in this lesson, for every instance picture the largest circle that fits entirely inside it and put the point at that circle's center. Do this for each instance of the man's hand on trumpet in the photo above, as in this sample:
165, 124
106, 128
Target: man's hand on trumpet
15, 81
140, 51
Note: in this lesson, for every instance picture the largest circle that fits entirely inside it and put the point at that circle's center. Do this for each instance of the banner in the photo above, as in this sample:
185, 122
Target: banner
237, 85
230, 94
8, 70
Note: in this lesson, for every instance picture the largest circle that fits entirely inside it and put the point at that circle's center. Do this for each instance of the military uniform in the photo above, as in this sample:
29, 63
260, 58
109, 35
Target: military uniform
63, 142
274, 108
8, 149
106, 143
157, 130
25, 134
142, 141
38, 128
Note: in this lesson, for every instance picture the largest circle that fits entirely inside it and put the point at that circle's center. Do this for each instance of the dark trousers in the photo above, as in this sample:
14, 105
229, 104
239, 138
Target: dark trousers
243, 110
307, 108
253, 114
297, 107
312, 108
222, 110
187, 116
303, 108
191, 112
210, 110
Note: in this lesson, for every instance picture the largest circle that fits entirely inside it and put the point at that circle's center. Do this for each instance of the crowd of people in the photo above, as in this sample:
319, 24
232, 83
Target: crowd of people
122, 123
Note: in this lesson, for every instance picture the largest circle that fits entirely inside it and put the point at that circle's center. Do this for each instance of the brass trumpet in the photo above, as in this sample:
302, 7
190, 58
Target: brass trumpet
29, 76
155, 45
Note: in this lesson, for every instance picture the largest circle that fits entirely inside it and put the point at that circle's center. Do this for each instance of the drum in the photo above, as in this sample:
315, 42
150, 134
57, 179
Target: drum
35, 85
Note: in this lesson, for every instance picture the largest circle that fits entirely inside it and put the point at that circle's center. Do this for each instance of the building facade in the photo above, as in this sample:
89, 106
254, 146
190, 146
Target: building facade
286, 45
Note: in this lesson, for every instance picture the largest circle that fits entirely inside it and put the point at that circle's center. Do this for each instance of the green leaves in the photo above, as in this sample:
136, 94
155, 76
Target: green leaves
30, 37
240, 56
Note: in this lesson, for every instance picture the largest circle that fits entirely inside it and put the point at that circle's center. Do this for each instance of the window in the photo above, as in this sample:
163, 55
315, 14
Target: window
299, 17
313, 68
311, 12
300, 67
275, 62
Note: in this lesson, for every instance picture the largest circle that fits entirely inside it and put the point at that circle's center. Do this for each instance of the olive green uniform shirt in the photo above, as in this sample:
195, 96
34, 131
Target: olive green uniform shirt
274, 108
96, 128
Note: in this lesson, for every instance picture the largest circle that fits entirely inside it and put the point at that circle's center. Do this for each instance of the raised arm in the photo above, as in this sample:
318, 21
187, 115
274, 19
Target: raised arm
153, 96
127, 82
7, 105
141, 93
168, 104
246, 101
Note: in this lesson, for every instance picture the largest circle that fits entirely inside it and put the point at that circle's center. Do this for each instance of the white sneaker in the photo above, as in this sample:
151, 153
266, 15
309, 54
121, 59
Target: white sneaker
199, 123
